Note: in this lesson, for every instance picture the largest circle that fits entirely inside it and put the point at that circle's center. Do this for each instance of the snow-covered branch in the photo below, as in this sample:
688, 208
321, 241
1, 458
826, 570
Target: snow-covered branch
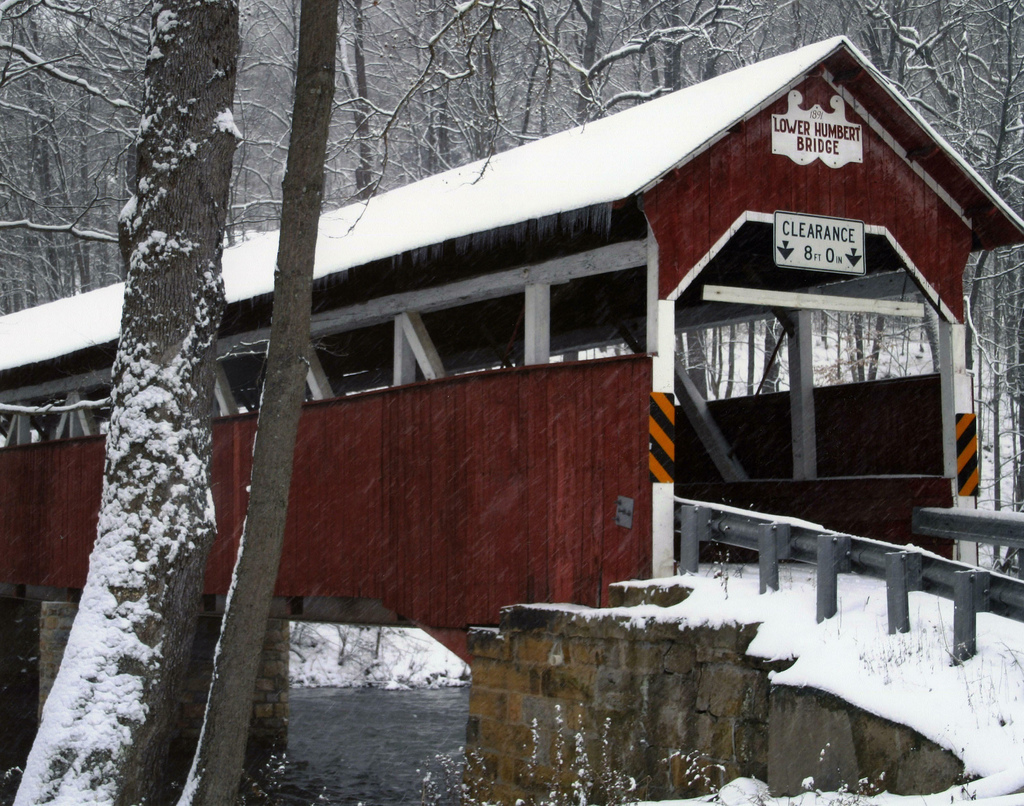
47, 66
55, 408
70, 229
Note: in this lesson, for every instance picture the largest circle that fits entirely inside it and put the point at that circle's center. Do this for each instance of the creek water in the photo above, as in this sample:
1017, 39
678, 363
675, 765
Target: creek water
345, 747
369, 746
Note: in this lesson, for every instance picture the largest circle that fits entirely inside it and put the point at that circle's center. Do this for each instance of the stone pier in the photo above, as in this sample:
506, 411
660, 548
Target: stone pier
269, 727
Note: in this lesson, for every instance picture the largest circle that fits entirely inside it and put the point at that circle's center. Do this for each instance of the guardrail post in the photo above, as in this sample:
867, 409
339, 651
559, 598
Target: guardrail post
970, 595
896, 591
915, 572
767, 557
828, 570
965, 617
694, 526
783, 535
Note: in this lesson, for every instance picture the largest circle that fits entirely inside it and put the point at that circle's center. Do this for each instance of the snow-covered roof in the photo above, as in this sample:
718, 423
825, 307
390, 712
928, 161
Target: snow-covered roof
591, 165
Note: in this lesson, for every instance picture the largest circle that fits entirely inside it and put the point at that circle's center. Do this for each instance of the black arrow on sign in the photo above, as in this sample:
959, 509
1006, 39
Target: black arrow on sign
785, 249
853, 257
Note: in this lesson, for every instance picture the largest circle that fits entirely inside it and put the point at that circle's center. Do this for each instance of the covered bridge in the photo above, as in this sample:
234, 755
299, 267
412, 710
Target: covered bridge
495, 368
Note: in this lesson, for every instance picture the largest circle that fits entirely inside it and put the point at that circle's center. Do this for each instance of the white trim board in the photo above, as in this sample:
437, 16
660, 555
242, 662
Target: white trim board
812, 302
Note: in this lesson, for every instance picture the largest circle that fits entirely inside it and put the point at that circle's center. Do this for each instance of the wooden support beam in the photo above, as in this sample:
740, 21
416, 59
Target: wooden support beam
661, 341
710, 435
225, 398
316, 379
19, 432
801, 397
59, 387
957, 398
604, 260
814, 302
415, 334
537, 323
79, 423
404, 361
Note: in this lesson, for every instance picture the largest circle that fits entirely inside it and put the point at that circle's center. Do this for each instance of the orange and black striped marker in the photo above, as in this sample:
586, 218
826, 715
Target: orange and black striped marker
663, 438
967, 454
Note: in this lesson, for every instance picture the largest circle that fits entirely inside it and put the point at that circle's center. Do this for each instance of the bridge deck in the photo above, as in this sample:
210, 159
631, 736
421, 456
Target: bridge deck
445, 500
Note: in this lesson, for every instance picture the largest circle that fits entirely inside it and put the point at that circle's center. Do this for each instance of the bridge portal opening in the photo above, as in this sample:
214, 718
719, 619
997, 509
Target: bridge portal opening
794, 385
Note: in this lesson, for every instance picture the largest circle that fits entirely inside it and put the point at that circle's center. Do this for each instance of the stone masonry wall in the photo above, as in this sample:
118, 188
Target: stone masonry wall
270, 700
55, 620
680, 709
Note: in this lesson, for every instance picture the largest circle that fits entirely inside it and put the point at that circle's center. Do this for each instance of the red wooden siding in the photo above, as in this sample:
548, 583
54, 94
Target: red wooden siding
881, 428
49, 504
695, 205
447, 500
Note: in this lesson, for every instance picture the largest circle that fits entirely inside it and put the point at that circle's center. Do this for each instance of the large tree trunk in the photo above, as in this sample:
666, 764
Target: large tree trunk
213, 780
104, 729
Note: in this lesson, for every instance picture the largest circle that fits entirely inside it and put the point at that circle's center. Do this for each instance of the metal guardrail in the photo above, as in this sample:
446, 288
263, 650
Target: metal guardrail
1004, 529
903, 568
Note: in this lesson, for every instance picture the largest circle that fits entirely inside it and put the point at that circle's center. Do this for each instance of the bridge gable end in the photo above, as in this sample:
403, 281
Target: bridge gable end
694, 207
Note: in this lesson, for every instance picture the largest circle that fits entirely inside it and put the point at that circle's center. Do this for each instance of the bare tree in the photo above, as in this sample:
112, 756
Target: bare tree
104, 728
217, 767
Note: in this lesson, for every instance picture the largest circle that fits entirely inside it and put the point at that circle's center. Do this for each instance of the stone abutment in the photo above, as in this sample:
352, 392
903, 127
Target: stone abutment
562, 695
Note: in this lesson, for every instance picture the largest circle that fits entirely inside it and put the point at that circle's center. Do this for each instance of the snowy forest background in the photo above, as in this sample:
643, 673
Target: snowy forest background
422, 89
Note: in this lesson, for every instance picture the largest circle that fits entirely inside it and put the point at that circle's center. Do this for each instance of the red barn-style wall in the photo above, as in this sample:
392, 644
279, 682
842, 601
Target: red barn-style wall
446, 500
694, 206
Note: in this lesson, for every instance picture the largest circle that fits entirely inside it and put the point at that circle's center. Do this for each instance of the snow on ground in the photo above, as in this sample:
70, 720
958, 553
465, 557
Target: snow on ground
975, 710
350, 656
750, 792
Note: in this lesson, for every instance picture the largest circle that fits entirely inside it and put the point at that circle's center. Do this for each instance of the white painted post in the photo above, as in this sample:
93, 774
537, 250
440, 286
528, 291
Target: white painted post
801, 396
80, 423
316, 379
19, 431
537, 323
222, 393
957, 397
661, 325
422, 345
405, 361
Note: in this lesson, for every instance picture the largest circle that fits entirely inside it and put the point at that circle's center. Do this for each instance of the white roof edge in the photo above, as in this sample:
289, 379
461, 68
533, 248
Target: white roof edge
563, 172
839, 41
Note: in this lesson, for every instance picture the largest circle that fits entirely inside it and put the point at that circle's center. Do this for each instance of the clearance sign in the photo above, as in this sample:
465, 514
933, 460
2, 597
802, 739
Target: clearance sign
819, 243
806, 135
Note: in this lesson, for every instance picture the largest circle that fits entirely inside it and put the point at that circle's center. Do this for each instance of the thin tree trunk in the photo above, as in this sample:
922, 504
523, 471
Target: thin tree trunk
751, 348
771, 369
361, 109
105, 726
876, 348
591, 39
695, 363
858, 348
731, 378
217, 767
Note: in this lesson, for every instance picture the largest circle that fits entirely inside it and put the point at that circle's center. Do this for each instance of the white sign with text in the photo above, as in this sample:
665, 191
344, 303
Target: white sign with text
819, 243
805, 135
